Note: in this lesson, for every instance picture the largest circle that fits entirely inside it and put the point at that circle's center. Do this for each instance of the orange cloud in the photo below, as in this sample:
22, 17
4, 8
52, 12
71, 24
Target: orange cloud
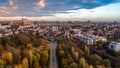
5, 11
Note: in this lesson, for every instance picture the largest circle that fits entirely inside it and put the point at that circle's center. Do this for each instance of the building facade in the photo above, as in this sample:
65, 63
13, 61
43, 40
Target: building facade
115, 46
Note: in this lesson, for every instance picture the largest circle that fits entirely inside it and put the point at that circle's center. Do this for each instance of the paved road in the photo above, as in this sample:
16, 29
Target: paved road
53, 58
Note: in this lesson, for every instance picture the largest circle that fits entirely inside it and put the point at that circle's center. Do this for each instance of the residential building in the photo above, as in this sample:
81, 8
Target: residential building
117, 34
114, 46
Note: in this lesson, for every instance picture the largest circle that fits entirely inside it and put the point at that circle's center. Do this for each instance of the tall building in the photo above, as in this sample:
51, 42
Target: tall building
23, 21
117, 34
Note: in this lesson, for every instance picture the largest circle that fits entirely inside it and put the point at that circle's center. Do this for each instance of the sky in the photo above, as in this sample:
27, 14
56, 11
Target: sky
96, 10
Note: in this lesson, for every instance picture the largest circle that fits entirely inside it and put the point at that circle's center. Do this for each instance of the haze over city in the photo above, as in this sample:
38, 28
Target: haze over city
95, 10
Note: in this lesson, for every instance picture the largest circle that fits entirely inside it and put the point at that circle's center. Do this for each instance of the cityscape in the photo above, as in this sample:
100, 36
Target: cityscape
59, 34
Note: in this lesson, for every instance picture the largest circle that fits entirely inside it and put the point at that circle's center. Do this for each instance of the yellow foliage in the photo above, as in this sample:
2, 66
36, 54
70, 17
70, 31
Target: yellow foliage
9, 57
29, 46
100, 66
25, 63
2, 62
18, 66
30, 57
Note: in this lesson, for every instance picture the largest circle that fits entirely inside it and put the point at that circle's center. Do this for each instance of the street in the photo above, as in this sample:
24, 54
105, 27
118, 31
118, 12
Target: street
53, 58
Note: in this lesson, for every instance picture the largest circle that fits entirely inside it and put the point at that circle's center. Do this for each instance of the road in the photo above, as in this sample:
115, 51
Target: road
53, 58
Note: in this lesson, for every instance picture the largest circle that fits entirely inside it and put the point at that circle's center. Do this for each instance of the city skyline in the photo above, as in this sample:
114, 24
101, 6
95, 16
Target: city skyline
96, 10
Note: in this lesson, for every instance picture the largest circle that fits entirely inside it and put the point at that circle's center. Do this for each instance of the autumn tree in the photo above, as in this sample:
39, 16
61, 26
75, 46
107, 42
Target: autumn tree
64, 63
76, 55
30, 57
29, 46
106, 63
82, 63
95, 60
9, 57
25, 63
87, 51
1, 49
61, 54
44, 58
36, 59
73, 65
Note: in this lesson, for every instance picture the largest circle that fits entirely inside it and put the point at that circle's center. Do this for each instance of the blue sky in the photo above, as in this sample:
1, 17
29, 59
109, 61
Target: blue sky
60, 9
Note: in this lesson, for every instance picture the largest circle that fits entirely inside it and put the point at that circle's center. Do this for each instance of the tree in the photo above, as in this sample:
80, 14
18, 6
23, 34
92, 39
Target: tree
16, 56
70, 59
81, 53
61, 54
44, 58
100, 66
30, 57
76, 55
19, 65
22, 39
73, 65
106, 63
36, 64
2, 63
73, 50
91, 66
9, 57
82, 63
64, 63
1, 49
29, 46
87, 50
25, 63
37, 56
42, 42
95, 60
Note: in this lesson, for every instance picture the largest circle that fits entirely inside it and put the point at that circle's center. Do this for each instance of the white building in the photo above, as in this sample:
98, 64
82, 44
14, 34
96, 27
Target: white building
1, 35
4, 26
90, 39
114, 46
54, 28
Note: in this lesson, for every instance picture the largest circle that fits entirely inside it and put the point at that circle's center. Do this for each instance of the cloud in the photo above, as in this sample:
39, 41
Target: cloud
12, 4
14, 7
5, 11
8, 9
41, 3
40, 8
84, 1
